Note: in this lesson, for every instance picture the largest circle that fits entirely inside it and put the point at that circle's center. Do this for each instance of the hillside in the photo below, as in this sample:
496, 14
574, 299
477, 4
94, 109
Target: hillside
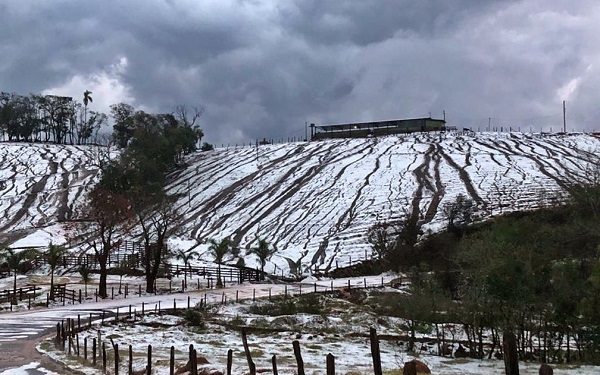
42, 184
315, 201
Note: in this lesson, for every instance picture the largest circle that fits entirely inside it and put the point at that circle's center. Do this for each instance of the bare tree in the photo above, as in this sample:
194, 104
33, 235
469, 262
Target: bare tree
158, 220
109, 219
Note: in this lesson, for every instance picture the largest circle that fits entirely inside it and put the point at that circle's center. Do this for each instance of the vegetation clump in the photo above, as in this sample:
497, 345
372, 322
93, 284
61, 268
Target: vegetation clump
282, 305
534, 273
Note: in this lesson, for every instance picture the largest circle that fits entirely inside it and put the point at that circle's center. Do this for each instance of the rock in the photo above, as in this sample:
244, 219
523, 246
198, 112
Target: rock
415, 367
546, 370
185, 369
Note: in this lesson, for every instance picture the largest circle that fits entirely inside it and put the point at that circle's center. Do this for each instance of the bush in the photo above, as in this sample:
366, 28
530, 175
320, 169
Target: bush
281, 305
206, 147
195, 318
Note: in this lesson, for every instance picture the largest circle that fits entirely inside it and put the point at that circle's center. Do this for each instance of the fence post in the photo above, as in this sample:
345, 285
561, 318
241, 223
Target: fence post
149, 365
375, 352
94, 351
130, 368
330, 364
274, 363
298, 356
116, 348
104, 357
229, 361
191, 358
251, 365
85, 348
172, 361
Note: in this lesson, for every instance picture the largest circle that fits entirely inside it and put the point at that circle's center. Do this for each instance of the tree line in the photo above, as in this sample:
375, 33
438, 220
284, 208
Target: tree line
49, 118
536, 274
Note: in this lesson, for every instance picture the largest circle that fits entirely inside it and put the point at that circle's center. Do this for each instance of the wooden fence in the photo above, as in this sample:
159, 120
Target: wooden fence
67, 339
20, 294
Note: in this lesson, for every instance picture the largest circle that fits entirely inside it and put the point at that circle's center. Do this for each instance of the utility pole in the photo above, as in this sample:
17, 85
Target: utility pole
564, 116
444, 112
305, 131
489, 124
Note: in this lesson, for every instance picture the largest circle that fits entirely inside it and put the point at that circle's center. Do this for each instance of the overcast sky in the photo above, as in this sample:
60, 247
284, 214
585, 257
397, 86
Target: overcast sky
263, 68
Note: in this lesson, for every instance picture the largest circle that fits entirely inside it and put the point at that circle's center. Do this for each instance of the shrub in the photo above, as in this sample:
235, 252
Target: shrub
281, 305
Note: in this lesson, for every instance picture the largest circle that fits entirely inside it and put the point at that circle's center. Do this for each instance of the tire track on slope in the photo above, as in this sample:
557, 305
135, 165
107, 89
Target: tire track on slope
542, 167
463, 175
293, 189
281, 220
348, 215
316, 200
440, 190
227, 194
222, 195
328, 158
420, 172
351, 212
235, 163
37, 188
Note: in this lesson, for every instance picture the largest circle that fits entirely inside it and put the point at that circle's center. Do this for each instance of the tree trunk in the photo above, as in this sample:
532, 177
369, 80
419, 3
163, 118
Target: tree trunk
150, 280
14, 299
102, 285
219, 282
185, 266
511, 357
52, 283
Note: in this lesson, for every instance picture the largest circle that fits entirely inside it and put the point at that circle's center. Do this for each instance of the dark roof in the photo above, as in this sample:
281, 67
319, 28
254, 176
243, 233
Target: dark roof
372, 124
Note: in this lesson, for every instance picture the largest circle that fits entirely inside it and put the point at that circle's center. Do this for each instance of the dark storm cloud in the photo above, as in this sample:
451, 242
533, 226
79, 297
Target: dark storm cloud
263, 68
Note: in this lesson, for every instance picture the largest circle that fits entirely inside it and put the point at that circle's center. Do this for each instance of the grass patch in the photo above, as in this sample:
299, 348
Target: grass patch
282, 305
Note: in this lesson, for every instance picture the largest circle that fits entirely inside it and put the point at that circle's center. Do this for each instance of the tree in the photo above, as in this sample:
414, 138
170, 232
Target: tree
109, 218
58, 116
460, 213
383, 240
264, 252
158, 220
16, 261
207, 147
123, 127
19, 116
86, 100
53, 256
186, 256
219, 250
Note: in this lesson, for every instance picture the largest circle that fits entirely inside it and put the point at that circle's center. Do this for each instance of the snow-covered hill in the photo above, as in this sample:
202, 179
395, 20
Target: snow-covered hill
314, 201
42, 184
